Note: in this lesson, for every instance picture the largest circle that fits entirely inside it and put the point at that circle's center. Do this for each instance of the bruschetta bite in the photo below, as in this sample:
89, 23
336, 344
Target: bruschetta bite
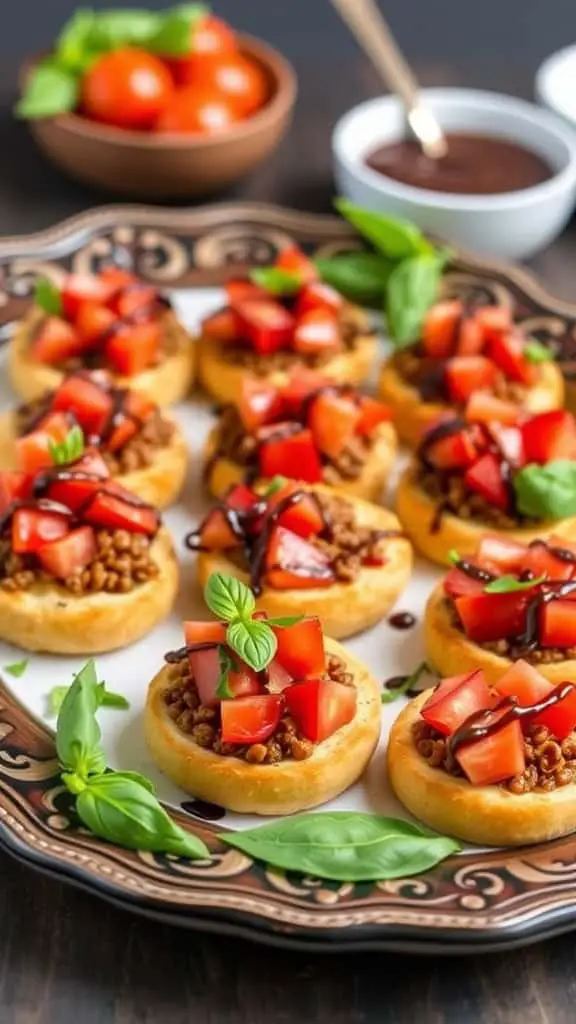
471, 476
141, 444
304, 548
490, 764
291, 735
467, 352
311, 429
289, 319
111, 321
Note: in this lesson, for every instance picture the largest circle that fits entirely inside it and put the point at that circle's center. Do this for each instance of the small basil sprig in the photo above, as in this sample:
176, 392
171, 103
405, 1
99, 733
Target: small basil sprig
47, 296
509, 584
453, 557
536, 352
251, 639
346, 846
118, 806
546, 492
17, 668
408, 683
360, 276
413, 287
105, 698
68, 450
276, 281
391, 236
227, 665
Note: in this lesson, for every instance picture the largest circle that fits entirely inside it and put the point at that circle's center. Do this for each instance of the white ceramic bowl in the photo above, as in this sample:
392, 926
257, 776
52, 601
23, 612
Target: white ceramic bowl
511, 225
555, 84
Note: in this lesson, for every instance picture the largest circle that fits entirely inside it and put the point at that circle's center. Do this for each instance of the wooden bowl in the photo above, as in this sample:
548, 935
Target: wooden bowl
164, 166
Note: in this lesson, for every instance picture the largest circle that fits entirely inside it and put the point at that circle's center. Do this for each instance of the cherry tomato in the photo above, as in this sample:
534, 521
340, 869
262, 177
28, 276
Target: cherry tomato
127, 88
213, 35
239, 78
197, 111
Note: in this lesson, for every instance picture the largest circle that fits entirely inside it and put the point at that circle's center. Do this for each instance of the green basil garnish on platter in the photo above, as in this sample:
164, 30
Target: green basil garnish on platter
17, 668
68, 450
360, 276
547, 492
536, 352
413, 287
47, 296
392, 236
78, 734
346, 846
276, 281
388, 696
509, 584
106, 699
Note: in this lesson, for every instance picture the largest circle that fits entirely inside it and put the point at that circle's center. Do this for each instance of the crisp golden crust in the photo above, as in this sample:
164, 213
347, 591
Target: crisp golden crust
417, 513
489, 815
369, 485
166, 384
450, 651
343, 608
413, 417
49, 618
223, 379
158, 484
283, 788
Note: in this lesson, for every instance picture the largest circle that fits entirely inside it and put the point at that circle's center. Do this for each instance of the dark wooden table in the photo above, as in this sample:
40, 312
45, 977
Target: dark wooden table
67, 958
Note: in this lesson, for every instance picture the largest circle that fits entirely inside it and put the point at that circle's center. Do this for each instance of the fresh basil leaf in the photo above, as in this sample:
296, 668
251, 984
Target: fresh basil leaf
276, 281
17, 668
49, 90
105, 698
55, 699
108, 699
453, 557
547, 492
388, 696
78, 734
285, 620
227, 665
253, 641
276, 484
412, 289
392, 236
117, 807
360, 276
228, 597
347, 846
536, 352
508, 584
174, 36
47, 296
141, 780
122, 27
68, 450
73, 50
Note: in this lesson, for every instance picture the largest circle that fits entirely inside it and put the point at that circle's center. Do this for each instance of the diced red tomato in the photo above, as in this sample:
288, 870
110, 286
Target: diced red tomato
138, 302
260, 402
240, 289
320, 707
112, 512
278, 677
115, 279
301, 383
90, 403
265, 324
304, 516
14, 485
301, 648
372, 414
56, 341
70, 554
507, 351
333, 419
541, 561
291, 456
221, 326
250, 719
455, 699
74, 493
216, 533
205, 668
494, 758
318, 295
483, 407
122, 433
455, 451
501, 553
317, 331
523, 682
561, 717
33, 450
440, 328
460, 584
485, 478
466, 374
93, 323
487, 617
31, 528
204, 632
494, 321
557, 621
133, 348
550, 435
81, 288
510, 441
470, 336
293, 260
293, 563
241, 497
244, 681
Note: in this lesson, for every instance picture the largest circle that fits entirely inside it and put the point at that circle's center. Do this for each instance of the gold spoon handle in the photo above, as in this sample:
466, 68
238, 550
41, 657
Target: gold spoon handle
368, 25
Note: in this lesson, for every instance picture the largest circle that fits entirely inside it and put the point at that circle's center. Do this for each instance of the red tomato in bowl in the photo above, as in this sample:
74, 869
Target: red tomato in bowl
233, 75
213, 35
127, 88
197, 111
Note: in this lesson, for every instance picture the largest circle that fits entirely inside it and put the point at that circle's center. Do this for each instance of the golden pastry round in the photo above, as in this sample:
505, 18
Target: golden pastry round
223, 472
46, 617
418, 512
166, 384
223, 378
489, 815
343, 608
450, 651
158, 484
413, 416
283, 788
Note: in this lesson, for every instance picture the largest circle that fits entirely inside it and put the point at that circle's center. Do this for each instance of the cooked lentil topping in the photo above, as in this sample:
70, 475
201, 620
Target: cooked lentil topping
426, 375
550, 763
348, 544
449, 490
202, 723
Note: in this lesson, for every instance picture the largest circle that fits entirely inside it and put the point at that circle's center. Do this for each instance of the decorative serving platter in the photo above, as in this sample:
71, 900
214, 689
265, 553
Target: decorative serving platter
474, 901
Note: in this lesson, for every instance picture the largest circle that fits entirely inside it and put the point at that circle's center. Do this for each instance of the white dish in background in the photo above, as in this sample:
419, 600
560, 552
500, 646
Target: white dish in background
510, 225
555, 83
